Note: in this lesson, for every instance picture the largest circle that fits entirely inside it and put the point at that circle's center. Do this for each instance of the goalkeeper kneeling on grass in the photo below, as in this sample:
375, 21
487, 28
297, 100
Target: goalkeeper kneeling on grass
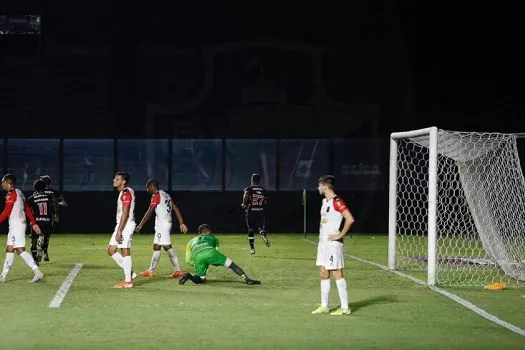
203, 251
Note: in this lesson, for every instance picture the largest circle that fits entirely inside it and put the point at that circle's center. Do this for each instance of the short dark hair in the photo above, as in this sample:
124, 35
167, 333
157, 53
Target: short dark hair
9, 177
256, 178
46, 179
328, 180
40, 185
153, 183
203, 227
124, 175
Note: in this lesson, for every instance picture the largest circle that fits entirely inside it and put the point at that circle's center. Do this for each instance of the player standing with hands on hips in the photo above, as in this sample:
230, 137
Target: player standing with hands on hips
330, 254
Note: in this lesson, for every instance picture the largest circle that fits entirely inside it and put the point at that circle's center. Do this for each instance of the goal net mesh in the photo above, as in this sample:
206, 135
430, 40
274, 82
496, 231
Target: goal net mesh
480, 208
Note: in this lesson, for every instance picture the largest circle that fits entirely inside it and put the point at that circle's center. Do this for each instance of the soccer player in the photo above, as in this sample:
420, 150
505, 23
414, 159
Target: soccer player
123, 234
253, 202
57, 202
16, 210
162, 205
203, 251
330, 255
42, 205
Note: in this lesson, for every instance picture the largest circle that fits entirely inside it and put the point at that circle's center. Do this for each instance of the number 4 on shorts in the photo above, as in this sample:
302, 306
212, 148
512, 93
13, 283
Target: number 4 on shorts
331, 258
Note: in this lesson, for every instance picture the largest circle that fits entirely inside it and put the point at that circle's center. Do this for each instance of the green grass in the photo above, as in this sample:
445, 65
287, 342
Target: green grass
389, 312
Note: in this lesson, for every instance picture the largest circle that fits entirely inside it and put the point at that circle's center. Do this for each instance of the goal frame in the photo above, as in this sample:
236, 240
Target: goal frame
432, 132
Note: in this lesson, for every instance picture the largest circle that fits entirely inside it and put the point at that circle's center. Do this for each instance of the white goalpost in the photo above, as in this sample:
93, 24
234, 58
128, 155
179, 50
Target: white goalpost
457, 207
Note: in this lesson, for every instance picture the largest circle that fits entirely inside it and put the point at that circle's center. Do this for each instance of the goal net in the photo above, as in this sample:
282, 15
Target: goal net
457, 207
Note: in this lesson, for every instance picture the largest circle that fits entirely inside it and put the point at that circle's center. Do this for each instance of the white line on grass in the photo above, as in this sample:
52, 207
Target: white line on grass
64, 288
443, 292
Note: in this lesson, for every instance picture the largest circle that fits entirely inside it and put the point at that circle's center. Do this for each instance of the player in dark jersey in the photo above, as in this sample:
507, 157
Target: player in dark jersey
42, 205
58, 201
253, 202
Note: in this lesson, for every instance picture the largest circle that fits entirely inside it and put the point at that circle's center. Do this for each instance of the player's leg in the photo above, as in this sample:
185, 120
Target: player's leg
262, 230
45, 245
322, 262
218, 259
34, 246
174, 259
125, 248
338, 265
201, 270
251, 232
19, 243
9, 257
150, 272
113, 250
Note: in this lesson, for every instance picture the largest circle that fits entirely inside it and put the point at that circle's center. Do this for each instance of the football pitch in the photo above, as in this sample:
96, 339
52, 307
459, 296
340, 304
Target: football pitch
388, 311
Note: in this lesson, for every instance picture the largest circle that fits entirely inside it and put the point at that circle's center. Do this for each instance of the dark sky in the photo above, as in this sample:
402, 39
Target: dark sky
454, 66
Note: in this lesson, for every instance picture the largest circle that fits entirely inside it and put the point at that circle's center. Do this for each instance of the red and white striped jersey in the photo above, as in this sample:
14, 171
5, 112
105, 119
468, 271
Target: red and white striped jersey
126, 198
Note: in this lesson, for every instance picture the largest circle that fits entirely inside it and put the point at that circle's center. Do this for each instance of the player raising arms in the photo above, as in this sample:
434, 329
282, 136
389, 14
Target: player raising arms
57, 202
16, 210
162, 205
123, 235
203, 251
41, 204
330, 255
253, 201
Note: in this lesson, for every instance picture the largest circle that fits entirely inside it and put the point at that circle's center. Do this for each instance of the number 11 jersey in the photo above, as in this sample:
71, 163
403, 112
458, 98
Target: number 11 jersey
42, 204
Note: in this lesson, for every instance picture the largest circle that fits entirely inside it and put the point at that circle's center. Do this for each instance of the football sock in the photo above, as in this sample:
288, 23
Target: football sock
29, 260
174, 259
118, 259
127, 268
154, 260
235, 268
325, 292
9, 259
343, 293
251, 239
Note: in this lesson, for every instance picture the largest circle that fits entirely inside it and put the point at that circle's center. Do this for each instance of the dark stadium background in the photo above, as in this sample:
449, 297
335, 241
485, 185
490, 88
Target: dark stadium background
243, 80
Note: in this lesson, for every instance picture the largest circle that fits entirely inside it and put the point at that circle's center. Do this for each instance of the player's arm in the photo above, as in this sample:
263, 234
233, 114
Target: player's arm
341, 207
31, 217
189, 257
178, 214
155, 200
8, 207
61, 201
245, 200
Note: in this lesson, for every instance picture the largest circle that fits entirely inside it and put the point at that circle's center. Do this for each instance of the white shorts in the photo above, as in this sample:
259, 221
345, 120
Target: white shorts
330, 255
17, 236
162, 234
127, 236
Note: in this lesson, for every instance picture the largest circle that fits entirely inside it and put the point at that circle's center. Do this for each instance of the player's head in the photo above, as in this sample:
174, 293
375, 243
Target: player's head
121, 180
326, 184
46, 179
152, 186
256, 179
39, 185
8, 182
204, 229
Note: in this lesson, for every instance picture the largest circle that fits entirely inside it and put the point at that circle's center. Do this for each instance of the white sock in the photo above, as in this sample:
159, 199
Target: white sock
118, 259
9, 259
154, 260
127, 268
325, 292
28, 258
174, 260
343, 293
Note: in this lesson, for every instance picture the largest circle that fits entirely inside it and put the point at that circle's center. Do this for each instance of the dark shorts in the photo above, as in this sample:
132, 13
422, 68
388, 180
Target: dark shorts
256, 221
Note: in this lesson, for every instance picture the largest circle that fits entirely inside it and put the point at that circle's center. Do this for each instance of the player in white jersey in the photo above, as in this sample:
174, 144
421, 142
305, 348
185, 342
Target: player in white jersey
16, 210
123, 234
162, 205
330, 254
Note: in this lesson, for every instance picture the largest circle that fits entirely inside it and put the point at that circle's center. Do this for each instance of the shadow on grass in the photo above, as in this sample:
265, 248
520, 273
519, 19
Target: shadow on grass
383, 299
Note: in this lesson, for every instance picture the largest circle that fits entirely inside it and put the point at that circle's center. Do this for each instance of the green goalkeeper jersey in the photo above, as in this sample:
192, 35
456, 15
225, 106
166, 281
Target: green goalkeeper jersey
199, 244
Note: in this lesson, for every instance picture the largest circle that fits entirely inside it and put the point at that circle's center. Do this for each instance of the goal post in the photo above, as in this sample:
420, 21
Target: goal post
457, 207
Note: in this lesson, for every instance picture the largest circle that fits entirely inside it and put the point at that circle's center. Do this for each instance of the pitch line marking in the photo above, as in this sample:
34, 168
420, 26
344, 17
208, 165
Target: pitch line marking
443, 292
64, 288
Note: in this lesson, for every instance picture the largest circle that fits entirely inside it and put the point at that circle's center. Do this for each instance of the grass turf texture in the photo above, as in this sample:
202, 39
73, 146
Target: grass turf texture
388, 311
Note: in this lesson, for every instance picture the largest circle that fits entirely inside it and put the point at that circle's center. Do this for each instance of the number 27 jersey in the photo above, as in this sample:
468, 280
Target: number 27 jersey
161, 201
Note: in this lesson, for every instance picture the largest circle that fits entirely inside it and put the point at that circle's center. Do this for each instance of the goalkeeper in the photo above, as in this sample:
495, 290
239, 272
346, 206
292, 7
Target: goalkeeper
203, 251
